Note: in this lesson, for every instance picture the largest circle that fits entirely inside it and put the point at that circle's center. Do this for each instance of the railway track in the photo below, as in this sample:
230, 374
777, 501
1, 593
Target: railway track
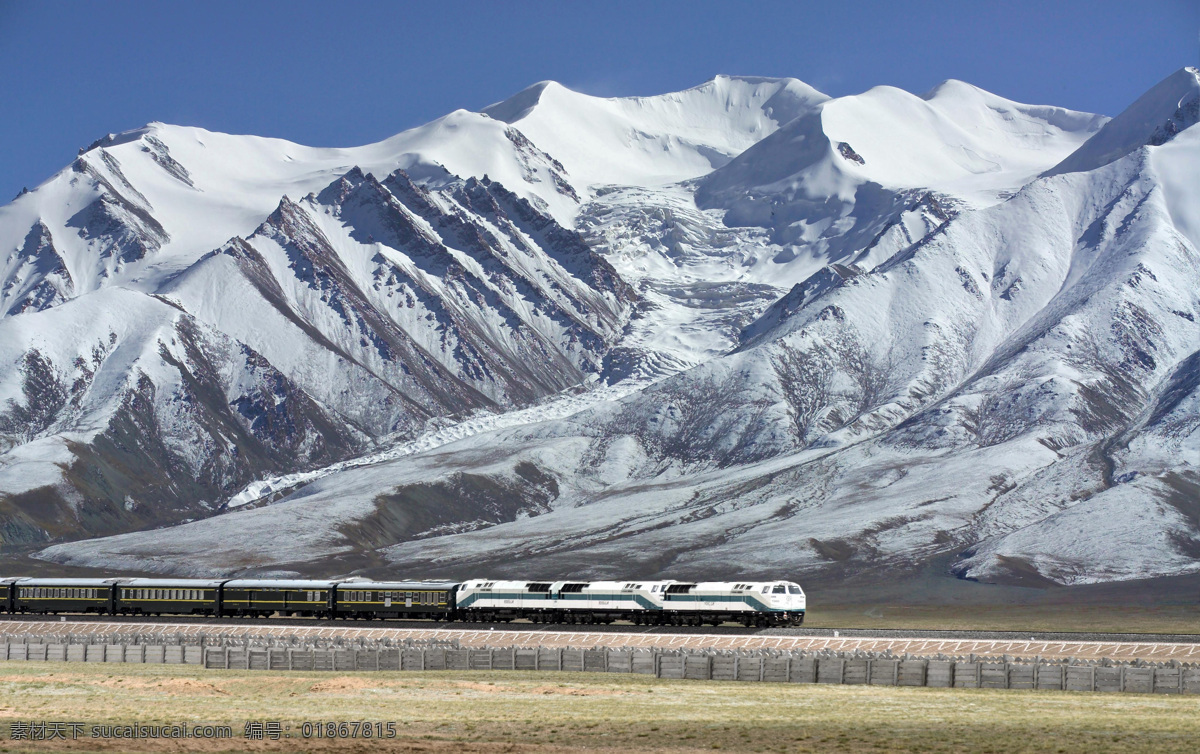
1184, 648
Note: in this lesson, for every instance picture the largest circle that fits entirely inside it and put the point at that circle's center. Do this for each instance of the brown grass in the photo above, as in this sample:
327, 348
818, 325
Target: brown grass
550, 712
1174, 619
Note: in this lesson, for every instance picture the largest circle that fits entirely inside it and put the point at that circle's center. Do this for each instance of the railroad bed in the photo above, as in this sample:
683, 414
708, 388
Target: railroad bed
198, 633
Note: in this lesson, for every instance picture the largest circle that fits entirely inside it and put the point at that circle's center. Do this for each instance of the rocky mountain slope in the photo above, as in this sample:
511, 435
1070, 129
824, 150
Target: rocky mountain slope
742, 329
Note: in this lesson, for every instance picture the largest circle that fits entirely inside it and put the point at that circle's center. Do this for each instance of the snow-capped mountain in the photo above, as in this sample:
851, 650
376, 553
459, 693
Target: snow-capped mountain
737, 329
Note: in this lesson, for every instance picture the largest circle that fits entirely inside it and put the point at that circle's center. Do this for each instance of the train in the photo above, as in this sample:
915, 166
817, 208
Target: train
659, 602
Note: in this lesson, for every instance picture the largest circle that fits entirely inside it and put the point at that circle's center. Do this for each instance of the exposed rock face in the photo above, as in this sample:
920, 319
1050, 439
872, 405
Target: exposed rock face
40, 278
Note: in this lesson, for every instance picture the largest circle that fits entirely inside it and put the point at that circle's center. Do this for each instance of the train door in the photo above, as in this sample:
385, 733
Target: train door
408, 599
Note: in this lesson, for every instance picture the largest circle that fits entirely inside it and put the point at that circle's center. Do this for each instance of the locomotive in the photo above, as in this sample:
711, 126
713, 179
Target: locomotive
660, 602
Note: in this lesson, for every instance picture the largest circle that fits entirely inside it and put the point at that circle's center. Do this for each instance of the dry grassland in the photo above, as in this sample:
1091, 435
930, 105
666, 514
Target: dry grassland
1071, 618
465, 712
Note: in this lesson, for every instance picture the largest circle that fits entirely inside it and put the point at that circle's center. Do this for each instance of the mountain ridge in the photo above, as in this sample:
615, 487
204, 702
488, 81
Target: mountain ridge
736, 329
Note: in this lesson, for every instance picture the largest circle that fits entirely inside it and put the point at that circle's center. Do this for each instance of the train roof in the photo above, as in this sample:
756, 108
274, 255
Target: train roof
66, 582
278, 584
396, 584
185, 583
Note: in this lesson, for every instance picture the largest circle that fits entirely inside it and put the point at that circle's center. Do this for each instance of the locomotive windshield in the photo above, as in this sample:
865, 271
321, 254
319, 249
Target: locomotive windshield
793, 589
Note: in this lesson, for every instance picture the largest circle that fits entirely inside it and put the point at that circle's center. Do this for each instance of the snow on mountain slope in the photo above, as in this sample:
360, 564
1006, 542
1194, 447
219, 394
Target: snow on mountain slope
956, 139
139, 206
1020, 388
1158, 115
970, 354
647, 141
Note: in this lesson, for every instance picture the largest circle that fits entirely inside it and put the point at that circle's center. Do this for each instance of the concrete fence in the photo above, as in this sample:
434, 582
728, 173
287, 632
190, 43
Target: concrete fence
141, 653
232, 651
1146, 678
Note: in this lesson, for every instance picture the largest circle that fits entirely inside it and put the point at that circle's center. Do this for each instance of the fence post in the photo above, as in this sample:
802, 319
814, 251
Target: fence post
925, 673
560, 658
1121, 687
869, 663
842, 675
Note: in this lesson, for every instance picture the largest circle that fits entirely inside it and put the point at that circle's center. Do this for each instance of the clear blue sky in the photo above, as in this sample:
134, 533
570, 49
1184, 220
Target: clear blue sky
347, 73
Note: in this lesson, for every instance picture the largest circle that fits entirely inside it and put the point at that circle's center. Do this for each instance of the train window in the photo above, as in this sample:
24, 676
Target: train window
766, 589
781, 589
538, 587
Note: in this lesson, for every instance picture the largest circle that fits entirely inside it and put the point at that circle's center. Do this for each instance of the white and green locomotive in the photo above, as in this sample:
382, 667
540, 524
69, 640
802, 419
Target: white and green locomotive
764, 603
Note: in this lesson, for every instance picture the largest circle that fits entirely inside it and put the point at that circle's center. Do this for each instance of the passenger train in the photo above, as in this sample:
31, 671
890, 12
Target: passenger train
759, 603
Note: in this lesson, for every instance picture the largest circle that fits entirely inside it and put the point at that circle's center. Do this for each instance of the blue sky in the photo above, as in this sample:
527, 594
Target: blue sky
347, 73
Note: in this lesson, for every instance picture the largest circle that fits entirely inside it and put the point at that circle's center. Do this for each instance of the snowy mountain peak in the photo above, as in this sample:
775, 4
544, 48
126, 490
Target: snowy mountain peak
520, 104
658, 139
124, 137
1169, 108
738, 328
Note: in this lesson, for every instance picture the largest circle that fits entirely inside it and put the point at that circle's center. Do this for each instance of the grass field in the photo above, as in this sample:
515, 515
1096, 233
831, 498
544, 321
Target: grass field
547, 712
1170, 619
